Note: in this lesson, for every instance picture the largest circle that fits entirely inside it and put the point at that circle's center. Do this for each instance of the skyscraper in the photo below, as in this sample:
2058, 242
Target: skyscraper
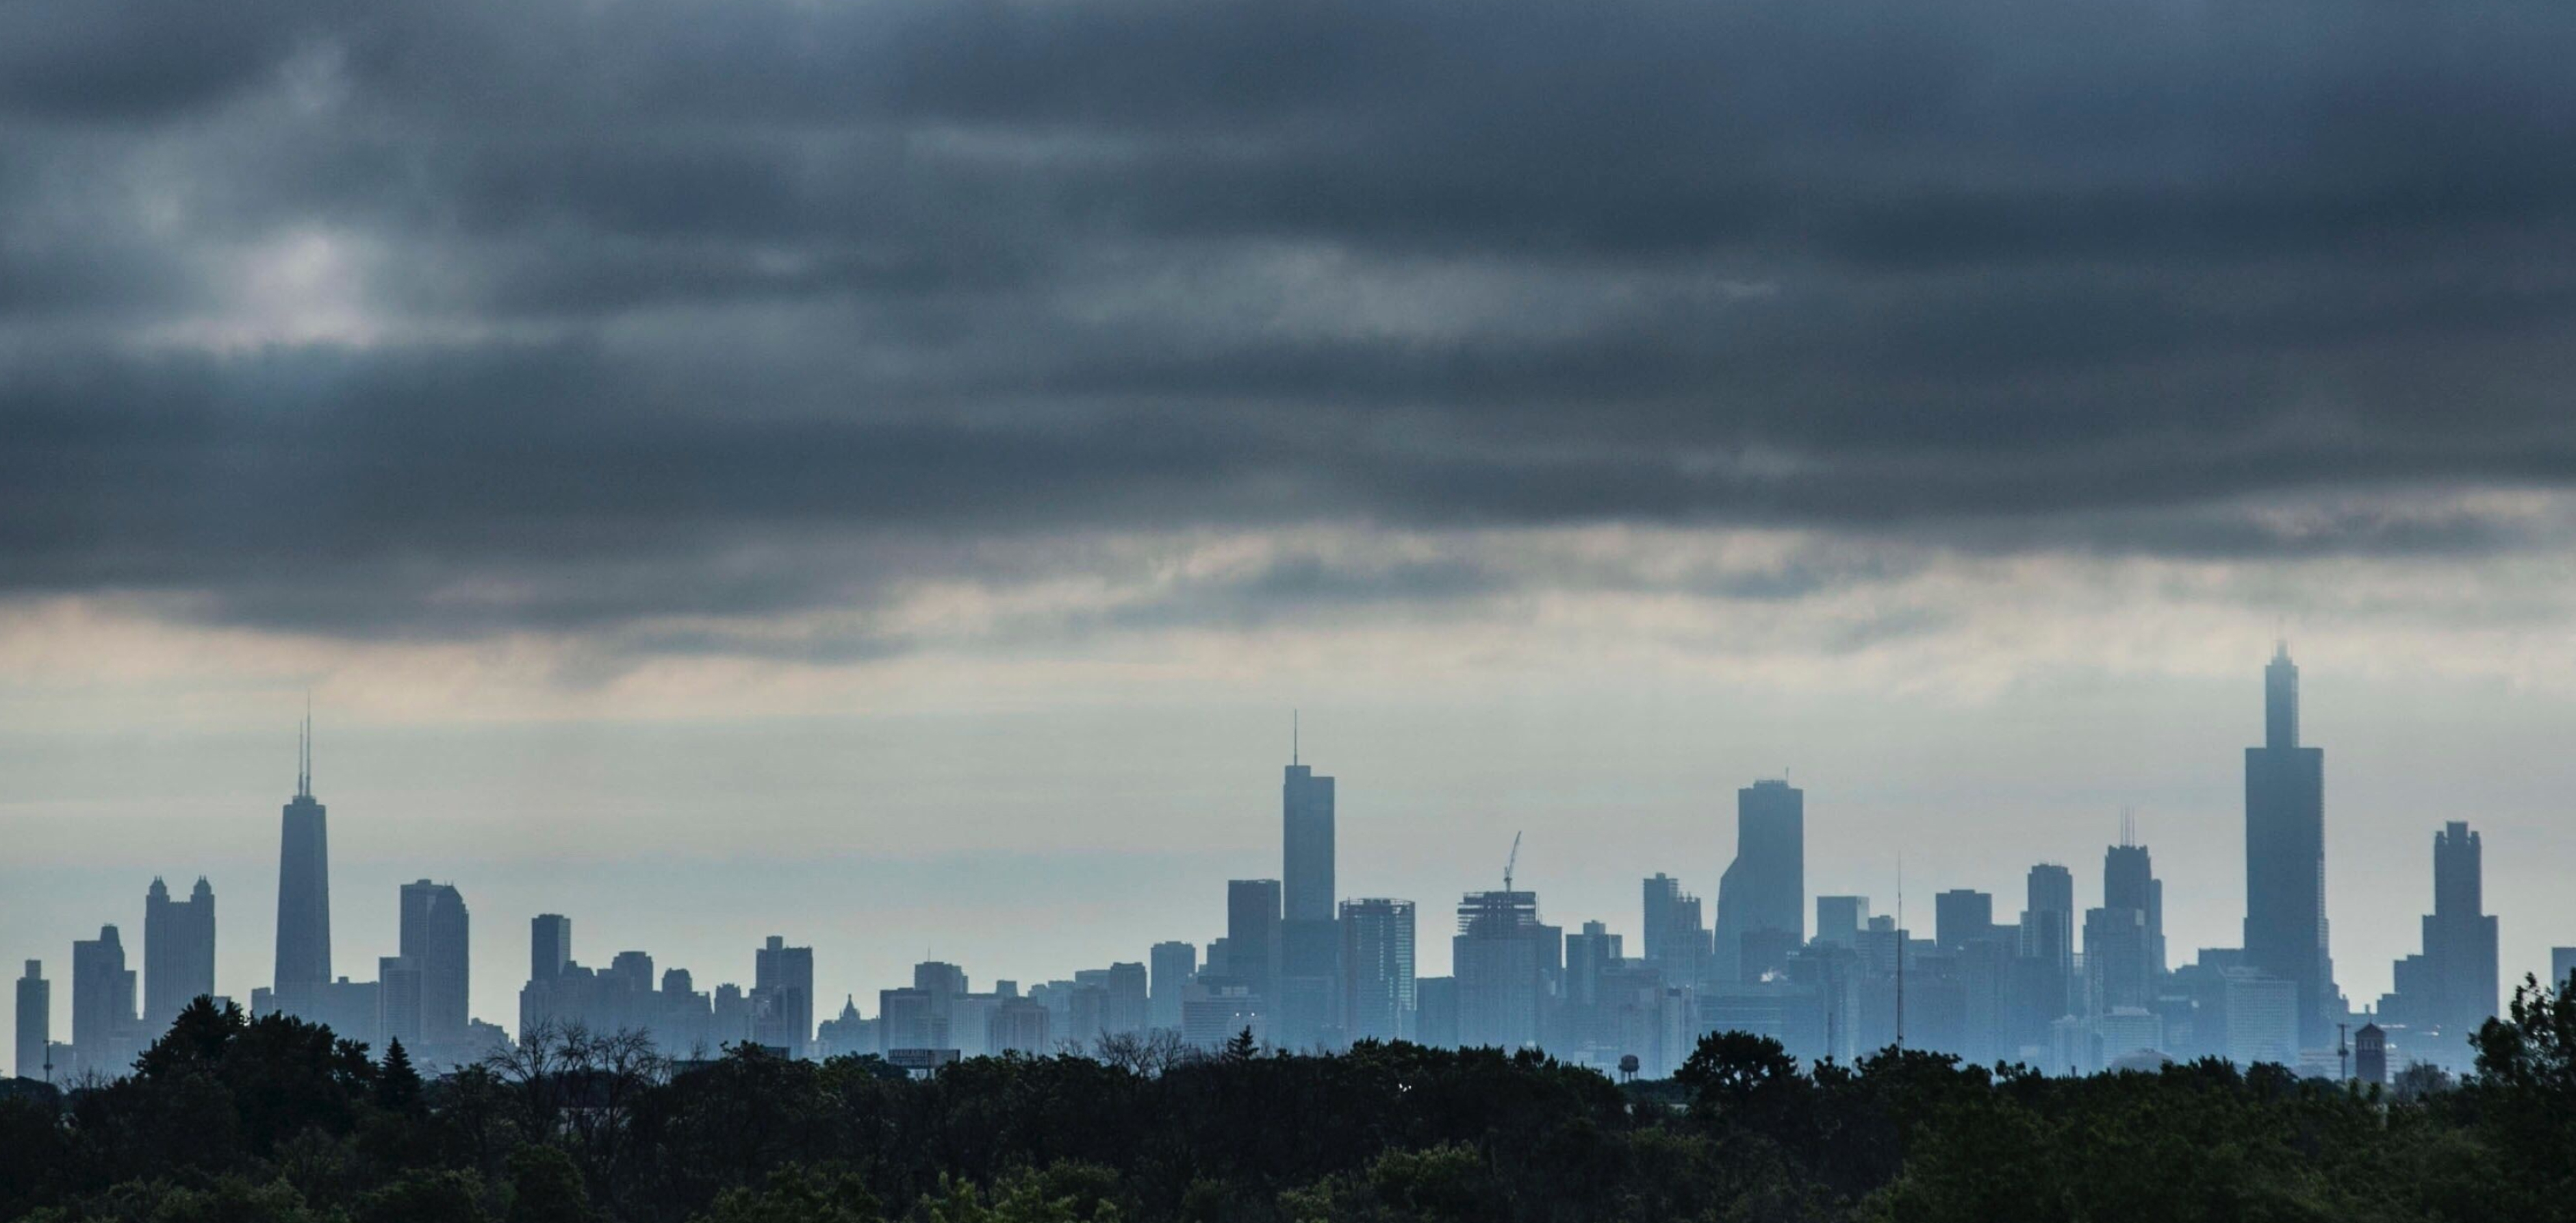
549, 946
2129, 882
303, 890
1127, 1002
1309, 964
783, 978
35, 1021
2124, 939
400, 990
1960, 915
2043, 987
1765, 888
103, 1020
1252, 936
1675, 941
2115, 960
2562, 965
1501, 956
178, 951
2452, 984
1839, 919
1306, 845
2285, 857
434, 934
1173, 963
1377, 969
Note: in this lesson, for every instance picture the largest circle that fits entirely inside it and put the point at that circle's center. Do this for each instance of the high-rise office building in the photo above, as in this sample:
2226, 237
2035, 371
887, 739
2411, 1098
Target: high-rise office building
2043, 976
1377, 969
2562, 965
2451, 986
1593, 959
2124, 939
2129, 882
178, 951
1173, 964
303, 890
2261, 1017
2115, 960
1127, 1001
1306, 845
1309, 965
1960, 916
401, 996
35, 1021
1589, 953
1765, 888
1252, 936
435, 932
910, 1019
1501, 957
103, 1018
2285, 858
1840, 919
1019, 1025
1675, 939
783, 978
549, 946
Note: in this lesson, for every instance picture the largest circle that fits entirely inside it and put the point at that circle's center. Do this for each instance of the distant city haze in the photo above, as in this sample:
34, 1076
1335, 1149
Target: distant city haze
1022, 843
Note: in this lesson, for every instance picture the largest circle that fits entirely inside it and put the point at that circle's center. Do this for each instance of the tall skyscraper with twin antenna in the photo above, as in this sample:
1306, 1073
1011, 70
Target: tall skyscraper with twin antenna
303, 886
2285, 857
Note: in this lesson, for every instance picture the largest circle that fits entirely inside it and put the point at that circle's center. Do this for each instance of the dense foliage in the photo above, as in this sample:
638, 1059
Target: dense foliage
228, 1120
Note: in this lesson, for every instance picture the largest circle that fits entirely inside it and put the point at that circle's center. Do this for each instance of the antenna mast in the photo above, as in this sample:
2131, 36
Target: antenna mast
1900, 951
304, 751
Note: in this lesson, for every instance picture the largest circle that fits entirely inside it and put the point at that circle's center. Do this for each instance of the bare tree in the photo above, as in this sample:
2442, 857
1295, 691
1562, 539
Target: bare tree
1149, 1053
582, 1087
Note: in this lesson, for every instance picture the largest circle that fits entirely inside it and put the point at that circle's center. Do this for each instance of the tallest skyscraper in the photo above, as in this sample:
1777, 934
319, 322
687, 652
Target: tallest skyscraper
2285, 856
303, 888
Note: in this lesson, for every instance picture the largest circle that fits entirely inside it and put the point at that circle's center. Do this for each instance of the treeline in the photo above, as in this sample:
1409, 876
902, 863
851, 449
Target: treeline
234, 1120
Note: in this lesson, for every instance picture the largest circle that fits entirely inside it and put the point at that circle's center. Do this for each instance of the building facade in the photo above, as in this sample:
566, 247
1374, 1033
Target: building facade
1765, 887
435, 933
1377, 969
303, 892
178, 951
35, 1022
2285, 858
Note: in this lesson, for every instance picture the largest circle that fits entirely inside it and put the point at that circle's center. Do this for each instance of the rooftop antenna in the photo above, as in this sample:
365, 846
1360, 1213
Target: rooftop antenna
2128, 827
1900, 950
1292, 736
1510, 862
304, 751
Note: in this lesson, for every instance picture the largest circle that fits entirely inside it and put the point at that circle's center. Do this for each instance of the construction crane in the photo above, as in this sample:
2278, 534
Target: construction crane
1510, 862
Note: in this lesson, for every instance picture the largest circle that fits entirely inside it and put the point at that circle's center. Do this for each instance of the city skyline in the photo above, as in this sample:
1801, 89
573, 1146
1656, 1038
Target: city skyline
429, 973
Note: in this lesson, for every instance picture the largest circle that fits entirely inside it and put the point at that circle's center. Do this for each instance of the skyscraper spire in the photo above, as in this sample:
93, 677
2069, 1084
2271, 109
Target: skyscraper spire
1292, 736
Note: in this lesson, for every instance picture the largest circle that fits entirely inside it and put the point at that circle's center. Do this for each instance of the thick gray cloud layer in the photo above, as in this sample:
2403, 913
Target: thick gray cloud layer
315, 316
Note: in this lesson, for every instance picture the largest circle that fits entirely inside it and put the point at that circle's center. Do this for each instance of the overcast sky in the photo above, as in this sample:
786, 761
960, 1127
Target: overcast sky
882, 473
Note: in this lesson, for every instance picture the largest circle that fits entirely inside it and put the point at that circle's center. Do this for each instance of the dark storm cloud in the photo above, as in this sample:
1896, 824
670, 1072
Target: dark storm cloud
679, 309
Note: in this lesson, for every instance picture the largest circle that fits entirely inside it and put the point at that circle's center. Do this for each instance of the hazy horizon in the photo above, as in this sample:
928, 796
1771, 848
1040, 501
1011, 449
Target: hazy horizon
1034, 842
882, 473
